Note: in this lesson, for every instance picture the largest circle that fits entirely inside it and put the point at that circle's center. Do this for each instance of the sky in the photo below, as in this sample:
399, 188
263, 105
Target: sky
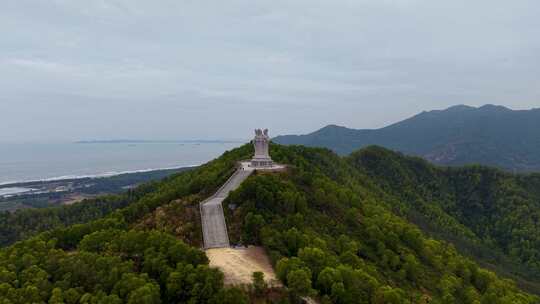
178, 69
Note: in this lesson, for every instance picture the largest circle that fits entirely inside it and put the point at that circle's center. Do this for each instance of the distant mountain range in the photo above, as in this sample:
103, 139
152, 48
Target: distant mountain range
488, 135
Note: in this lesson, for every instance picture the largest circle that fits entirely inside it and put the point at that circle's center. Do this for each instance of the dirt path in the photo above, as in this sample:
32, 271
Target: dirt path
238, 264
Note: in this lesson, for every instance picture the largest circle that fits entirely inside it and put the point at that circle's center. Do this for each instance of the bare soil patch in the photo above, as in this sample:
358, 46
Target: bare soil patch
238, 264
72, 199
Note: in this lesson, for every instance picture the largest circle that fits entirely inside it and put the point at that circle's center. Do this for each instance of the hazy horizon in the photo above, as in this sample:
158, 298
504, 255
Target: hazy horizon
247, 137
119, 69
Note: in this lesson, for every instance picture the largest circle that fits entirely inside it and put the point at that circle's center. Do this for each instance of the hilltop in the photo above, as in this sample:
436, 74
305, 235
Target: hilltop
335, 228
488, 135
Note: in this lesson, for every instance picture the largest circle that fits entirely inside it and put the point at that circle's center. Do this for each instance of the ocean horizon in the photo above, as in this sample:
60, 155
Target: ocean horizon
28, 162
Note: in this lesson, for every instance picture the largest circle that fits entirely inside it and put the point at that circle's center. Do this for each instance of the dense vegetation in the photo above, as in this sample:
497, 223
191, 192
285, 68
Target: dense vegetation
108, 261
21, 224
493, 214
331, 230
489, 135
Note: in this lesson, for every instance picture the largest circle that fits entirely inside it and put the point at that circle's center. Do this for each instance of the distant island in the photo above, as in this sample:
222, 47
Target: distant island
145, 141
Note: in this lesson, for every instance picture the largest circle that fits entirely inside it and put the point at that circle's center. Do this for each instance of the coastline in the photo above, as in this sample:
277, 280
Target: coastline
10, 184
27, 163
67, 190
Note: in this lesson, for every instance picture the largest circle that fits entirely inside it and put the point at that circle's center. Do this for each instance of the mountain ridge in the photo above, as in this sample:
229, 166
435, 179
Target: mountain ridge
490, 135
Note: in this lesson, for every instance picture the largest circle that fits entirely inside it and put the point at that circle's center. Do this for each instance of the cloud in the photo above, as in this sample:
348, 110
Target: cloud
301, 64
38, 64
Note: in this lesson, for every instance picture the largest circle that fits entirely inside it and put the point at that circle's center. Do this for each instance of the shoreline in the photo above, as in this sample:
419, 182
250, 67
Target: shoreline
9, 184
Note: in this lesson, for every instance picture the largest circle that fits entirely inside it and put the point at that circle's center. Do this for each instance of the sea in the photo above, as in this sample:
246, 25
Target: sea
50, 161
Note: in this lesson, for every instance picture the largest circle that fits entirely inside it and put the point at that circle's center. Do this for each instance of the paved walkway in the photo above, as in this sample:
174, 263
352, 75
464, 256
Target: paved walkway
213, 220
212, 217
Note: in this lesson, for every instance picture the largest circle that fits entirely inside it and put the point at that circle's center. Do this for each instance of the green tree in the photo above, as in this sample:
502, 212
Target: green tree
338, 293
259, 284
252, 226
299, 281
230, 296
314, 258
328, 277
57, 297
285, 265
147, 294
129, 283
72, 296
389, 295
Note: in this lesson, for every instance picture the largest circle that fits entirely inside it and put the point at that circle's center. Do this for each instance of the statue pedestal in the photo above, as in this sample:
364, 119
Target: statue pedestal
260, 162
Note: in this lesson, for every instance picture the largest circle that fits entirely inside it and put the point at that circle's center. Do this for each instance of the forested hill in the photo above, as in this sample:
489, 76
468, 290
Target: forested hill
489, 135
333, 231
489, 213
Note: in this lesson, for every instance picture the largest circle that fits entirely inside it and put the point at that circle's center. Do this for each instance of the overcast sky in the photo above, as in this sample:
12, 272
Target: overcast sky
181, 69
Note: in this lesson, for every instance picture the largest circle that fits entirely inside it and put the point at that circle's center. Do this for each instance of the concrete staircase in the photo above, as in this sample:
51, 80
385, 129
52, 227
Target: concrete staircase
213, 220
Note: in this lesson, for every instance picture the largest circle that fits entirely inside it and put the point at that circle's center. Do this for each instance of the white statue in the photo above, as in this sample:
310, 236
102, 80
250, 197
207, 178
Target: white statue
260, 143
